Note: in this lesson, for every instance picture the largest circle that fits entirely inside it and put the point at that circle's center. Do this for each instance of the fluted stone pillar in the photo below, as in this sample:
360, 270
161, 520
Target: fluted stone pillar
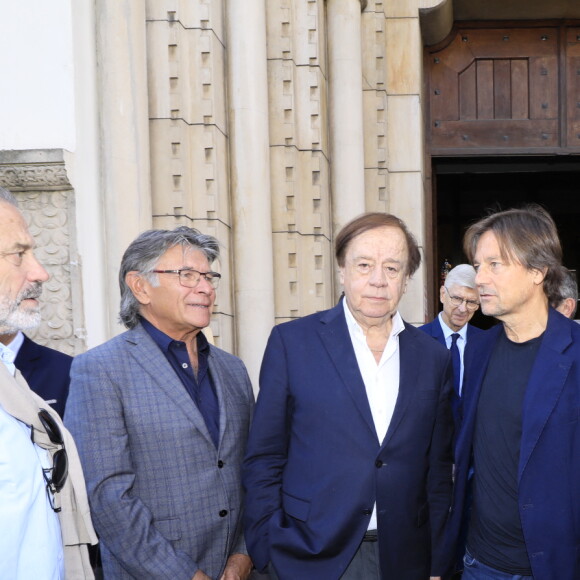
124, 133
346, 110
250, 179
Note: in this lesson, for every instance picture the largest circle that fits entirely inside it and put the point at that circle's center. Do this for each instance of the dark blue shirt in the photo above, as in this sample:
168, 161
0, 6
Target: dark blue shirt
201, 388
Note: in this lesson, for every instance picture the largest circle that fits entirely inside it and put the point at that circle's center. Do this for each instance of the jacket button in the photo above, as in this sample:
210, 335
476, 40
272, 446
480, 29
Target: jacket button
367, 512
223, 513
220, 463
378, 463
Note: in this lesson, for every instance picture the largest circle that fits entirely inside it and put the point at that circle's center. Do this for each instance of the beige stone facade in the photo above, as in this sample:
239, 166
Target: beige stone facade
39, 181
267, 123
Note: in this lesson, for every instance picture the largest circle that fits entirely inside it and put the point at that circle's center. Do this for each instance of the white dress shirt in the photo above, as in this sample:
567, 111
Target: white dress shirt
381, 380
15, 344
30, 538
461, 342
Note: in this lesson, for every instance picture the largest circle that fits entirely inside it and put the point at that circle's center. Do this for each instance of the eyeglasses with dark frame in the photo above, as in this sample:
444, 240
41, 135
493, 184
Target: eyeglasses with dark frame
457, 301
55, 476
190, 278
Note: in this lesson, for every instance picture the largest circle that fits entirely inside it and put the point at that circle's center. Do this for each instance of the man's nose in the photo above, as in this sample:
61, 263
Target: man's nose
378, 276
204, 285
36, 271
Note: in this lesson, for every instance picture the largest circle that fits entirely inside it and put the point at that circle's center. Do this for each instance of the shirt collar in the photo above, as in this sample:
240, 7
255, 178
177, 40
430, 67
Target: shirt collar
7, 357
15, 344
354, 326
164, 341
447, 332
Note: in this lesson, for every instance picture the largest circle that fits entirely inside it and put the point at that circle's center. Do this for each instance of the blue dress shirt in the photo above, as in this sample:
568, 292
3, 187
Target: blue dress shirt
201, 388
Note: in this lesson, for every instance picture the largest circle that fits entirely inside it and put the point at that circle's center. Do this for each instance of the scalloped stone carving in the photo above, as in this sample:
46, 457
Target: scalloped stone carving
46, 199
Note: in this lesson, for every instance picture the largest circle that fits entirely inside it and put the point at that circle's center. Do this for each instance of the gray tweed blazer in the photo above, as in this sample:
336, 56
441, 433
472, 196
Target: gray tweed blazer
165, 502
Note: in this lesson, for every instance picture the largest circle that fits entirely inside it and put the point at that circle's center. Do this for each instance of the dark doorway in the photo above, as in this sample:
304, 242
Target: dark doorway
468, 188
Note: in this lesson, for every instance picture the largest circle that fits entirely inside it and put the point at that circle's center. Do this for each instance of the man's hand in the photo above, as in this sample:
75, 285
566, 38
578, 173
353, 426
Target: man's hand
434, 577
199, 575
238, 567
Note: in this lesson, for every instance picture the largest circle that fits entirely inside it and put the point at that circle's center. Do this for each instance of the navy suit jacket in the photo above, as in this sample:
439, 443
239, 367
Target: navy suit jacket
315, 467
549, 463
434, 329
46, 371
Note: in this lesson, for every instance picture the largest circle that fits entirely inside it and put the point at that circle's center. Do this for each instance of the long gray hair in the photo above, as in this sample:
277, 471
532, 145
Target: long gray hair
144, 253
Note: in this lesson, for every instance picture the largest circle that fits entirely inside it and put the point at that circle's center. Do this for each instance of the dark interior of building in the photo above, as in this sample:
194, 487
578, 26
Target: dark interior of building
469, 188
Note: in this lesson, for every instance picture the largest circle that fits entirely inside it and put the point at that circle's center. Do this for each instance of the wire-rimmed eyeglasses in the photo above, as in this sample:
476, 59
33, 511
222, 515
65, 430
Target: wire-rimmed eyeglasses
55, 476
457, 301
190, 278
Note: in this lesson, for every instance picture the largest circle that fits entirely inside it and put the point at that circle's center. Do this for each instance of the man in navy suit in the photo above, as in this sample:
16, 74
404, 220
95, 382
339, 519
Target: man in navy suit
452, 329
46, 370
520, 432
348, 468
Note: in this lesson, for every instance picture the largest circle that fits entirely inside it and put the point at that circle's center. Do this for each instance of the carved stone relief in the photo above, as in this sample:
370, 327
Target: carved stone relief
46, 199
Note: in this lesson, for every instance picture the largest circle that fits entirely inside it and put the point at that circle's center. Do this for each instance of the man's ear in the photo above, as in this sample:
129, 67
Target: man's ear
567, 307
539, 275
139, 286
442, 294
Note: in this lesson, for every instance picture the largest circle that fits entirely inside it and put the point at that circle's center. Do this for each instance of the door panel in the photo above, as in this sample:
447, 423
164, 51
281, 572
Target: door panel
498, 90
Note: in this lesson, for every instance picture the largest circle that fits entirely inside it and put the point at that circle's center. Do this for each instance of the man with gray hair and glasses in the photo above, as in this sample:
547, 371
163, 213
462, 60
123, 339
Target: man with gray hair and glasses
452, 329
161, 417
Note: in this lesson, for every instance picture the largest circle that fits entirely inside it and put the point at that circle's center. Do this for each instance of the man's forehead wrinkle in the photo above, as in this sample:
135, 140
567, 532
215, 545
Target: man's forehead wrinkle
16, 246
365, 257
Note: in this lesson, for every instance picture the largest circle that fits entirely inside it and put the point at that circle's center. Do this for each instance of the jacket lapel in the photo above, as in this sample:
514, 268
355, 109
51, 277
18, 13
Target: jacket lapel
544, 388
409, 364
469, 352
216, 372
474, 379
152, 360
438, 332
336, 339
28, 353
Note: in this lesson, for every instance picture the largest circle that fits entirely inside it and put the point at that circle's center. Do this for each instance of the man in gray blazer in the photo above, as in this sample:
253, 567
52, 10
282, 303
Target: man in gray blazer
161, 419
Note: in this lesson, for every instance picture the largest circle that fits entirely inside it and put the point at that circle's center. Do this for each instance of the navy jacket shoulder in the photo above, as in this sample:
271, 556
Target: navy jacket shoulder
46, 371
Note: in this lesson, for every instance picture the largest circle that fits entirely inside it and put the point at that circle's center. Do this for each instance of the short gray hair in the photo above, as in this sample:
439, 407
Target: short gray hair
461, 275
568, 289
144, 253
6, 196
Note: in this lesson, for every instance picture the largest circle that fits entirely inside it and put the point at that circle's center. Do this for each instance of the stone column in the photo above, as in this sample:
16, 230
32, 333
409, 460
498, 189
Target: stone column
250, 179
346, 110
124, 133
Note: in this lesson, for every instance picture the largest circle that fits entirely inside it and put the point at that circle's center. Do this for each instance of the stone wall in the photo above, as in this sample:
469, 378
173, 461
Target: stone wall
39, 181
